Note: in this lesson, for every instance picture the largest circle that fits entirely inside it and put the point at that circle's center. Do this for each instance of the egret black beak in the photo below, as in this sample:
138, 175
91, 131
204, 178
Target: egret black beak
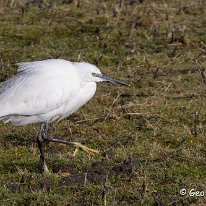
115, 81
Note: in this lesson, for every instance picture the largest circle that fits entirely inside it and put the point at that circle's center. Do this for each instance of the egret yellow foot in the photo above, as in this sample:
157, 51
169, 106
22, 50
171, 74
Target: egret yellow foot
84, 148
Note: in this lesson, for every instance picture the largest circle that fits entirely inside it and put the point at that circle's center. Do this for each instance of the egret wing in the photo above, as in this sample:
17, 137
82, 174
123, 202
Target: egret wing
38, 89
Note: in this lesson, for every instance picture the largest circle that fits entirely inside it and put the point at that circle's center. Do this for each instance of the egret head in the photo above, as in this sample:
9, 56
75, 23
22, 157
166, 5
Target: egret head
94, 75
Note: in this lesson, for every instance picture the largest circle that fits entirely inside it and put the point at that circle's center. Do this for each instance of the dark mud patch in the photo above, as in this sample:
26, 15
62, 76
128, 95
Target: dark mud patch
97, 172
125, 169
70, 175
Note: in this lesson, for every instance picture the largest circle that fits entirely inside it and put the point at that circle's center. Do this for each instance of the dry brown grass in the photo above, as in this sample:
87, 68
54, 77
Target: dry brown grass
151, 136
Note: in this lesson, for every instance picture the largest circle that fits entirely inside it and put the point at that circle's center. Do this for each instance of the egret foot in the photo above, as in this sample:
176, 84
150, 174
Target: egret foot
84, 148
45, 169
75, 144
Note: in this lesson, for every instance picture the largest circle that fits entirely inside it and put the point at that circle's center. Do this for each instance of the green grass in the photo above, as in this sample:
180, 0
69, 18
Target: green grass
151, 135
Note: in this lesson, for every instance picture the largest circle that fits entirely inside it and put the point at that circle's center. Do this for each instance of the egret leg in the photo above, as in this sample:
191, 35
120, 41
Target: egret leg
43, 137
40, 139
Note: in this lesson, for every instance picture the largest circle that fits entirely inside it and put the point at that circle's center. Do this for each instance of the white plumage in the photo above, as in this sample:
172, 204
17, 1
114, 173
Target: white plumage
49, 90
44, 91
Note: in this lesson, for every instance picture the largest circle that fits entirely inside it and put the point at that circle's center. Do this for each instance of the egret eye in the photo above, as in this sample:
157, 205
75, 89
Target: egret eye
94, 74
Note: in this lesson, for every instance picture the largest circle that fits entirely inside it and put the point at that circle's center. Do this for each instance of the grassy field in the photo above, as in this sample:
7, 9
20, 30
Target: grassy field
151, 135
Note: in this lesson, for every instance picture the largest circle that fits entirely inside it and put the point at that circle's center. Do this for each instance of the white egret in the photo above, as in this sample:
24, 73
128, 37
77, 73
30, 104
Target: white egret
49, 90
